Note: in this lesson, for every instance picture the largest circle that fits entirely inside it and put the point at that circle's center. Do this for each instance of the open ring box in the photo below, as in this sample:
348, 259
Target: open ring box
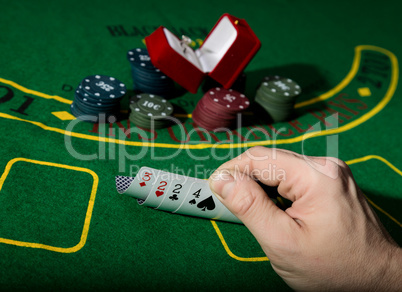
224, 54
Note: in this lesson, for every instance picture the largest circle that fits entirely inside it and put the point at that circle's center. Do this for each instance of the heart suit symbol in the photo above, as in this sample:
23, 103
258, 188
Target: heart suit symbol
159, 193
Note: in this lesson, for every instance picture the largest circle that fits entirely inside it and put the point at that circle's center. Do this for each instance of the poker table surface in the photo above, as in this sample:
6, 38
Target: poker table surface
63, 224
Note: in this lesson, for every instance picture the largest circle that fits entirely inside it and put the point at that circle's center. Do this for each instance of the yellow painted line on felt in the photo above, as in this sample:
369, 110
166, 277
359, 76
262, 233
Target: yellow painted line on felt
230, 253
88, 215
349, 77
349, 162
37, 93
390, 165
95, 138
351, 74
383, 211
190, 115
369, 157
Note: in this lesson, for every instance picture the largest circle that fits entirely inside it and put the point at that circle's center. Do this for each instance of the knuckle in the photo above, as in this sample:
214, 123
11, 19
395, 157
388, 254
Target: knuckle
337, 170
331, 168
341, 163
255, 151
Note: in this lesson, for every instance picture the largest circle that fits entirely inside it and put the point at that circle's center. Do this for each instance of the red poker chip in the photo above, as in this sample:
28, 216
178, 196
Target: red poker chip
210, 120
208, 127
209, 123
220, 118
227, 100
218, 108
200, 122
211, 111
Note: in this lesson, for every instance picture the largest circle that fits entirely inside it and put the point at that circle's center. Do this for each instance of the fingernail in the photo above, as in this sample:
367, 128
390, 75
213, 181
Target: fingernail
222, 183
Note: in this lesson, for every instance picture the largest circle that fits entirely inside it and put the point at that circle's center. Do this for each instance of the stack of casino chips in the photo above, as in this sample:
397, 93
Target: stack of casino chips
97, 98
277, 95
146, 77
218, 109
150, 111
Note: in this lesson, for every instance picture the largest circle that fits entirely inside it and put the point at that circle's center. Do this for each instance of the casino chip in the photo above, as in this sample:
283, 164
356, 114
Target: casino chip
150, 111
218, 109
97, 98
146, 77
277, 96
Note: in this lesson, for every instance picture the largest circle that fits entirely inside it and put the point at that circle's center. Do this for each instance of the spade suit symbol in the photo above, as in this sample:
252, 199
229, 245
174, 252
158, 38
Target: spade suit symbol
207, 204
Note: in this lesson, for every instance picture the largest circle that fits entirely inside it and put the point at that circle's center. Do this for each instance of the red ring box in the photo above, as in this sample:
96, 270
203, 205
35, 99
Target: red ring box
224, 54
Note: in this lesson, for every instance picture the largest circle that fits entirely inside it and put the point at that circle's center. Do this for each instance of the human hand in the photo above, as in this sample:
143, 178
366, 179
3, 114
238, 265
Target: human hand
329, 239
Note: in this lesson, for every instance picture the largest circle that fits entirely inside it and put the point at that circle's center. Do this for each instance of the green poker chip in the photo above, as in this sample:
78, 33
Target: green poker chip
277, 95
281, 86
154, 105
148, 124
150, 111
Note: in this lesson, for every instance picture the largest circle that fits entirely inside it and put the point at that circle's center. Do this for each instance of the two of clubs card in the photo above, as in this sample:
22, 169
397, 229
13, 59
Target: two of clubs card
174, 193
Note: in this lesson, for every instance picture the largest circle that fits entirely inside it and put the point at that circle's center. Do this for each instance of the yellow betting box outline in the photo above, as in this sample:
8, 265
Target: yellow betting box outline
88, 215
349, 162
349, 77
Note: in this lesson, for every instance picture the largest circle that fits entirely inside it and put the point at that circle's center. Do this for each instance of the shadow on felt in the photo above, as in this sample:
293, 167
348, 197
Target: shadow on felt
310, 78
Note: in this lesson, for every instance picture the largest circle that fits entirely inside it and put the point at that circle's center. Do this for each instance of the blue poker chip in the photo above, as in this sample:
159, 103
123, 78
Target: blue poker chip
92, 118
96, 109
103, 87
95, 100
92, 103
87, 108
86, 98
146, 77
81, 115
140, 58
158, 78
156, 86
154, 90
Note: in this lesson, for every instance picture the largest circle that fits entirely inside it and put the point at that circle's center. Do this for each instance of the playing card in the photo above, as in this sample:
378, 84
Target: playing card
176, 194
140, 186
201, 202
158, 193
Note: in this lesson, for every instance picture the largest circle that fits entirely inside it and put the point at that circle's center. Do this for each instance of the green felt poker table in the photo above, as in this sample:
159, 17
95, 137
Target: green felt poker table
63, 225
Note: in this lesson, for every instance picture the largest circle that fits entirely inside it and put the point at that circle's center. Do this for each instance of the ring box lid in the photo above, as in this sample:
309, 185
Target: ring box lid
224, 54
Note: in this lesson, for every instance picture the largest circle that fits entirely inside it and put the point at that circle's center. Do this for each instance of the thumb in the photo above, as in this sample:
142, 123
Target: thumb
248, 202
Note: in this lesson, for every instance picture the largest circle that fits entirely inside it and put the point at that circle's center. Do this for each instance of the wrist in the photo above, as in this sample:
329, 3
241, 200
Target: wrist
391, 278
